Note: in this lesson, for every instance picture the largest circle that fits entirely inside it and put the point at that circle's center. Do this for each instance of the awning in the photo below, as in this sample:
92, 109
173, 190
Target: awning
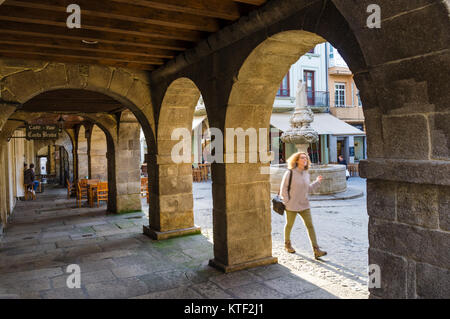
324, 124
197, 121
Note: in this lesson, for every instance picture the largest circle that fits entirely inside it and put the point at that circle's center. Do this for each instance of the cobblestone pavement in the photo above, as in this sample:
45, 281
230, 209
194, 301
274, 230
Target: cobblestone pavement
118, 261
341, 229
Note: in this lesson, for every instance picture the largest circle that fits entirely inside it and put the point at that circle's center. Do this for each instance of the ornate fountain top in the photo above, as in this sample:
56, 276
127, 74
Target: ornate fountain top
302, 99
301, 133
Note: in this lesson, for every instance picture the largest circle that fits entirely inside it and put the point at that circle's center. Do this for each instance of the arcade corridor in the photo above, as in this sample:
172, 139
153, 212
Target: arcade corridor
118, 261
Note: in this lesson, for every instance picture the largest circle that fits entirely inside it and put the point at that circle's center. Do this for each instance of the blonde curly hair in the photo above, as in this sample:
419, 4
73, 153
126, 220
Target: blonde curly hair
293, 159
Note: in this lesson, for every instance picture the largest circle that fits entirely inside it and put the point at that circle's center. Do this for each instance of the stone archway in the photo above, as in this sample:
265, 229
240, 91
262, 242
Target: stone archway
171, 201
246, 216
402, 74
28, 79
128, 87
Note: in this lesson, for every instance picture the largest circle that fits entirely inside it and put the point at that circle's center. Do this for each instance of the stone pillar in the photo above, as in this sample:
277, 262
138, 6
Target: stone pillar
82, 152
324, 149
128, 167
333, 149
97, 154
171, 200
241, 216
3, 184
52, 160
58, 162
408, 199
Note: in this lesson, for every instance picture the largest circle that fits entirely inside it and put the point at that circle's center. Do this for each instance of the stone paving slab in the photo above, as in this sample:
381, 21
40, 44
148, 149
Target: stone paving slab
118, 261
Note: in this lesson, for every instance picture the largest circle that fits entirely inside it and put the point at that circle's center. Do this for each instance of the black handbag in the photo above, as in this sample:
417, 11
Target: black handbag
277, 203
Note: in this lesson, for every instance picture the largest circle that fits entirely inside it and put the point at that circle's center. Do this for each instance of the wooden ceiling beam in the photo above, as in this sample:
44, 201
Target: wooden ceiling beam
43, 56
100, 48
252, 2
221, 9
118, 56
52, 18
124, 12
60, 32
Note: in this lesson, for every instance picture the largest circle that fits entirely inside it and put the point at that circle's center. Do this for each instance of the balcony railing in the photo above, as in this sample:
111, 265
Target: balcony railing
318, 98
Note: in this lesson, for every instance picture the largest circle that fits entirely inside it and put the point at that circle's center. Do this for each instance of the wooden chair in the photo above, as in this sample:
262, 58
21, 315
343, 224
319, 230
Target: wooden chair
204, 169
353, 169
83, 183
82, 193
70, 188
196, 174
102, 192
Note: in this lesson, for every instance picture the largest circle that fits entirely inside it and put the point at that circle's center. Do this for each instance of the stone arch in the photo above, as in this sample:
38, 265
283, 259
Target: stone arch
171, 202
107, 123
66, 141
250, 106
129, 87
404, 99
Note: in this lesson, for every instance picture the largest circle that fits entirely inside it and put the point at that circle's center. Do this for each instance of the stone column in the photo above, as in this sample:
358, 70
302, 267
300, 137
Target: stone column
408, 199
52, 160
333, 149
241, 217
58, 161
128, 167
3, 184
171, 200
97, 154
82, 154
324, 149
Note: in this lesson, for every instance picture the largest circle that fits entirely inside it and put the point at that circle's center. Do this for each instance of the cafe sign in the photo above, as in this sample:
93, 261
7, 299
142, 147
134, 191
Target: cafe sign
42, 132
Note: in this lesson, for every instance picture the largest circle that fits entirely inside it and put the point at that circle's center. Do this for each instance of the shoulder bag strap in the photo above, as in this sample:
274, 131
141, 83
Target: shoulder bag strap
289, 186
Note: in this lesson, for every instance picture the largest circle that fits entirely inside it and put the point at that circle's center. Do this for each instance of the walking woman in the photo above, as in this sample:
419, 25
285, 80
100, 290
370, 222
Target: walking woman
296, 201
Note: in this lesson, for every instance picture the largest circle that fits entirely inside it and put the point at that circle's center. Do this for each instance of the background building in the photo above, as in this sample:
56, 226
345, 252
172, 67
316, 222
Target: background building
333, 97
341, 129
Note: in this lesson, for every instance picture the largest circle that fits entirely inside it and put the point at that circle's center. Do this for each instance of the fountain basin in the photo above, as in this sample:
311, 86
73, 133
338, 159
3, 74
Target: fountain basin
334, 180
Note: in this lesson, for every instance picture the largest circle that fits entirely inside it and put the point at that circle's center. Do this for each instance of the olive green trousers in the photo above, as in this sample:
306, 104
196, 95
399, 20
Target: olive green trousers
307, 220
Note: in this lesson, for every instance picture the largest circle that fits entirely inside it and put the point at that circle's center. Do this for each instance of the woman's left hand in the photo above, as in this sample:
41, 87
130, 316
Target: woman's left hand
319, 178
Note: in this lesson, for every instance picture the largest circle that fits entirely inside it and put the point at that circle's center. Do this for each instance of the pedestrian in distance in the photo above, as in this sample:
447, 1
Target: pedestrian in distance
296, 200
29, 177
342, 161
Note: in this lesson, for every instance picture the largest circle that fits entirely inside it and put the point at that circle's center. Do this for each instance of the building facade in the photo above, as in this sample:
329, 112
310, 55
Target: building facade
341, 129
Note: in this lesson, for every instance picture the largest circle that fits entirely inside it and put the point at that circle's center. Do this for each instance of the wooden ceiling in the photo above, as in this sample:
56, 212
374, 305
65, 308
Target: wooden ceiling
72, 101
142, 34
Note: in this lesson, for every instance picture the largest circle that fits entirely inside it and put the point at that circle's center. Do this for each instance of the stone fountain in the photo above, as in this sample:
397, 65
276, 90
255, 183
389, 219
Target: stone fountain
303, 135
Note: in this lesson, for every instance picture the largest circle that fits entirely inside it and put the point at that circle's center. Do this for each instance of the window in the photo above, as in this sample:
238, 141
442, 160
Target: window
359, 99
331, 52
309, 79
339, 94
284, 87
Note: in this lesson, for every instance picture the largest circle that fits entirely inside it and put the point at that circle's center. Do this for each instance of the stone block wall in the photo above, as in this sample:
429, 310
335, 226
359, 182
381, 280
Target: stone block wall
97, 155
128, 179
408, 236
82, 154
